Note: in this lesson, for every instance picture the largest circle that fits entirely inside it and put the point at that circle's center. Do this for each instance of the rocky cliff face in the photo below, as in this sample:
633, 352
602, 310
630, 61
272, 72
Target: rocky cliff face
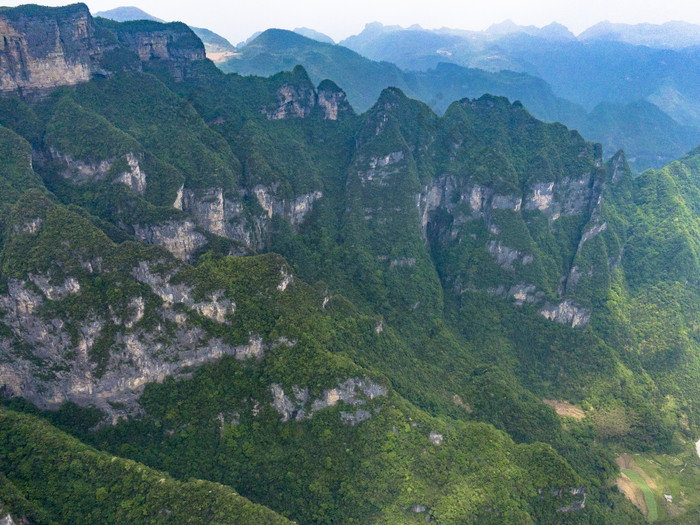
81, 172
292, 102
467, 204
333, 101
42, 48
225, 215
61, 367
178, 237
174, 44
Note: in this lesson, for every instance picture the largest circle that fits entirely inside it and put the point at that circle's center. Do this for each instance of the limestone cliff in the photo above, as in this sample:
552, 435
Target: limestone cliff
468, 204
61, 365
42, 48
333, 101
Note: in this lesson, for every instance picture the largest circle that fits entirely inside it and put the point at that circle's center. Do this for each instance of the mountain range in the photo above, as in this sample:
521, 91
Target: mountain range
229, 298
651, 137
632, 97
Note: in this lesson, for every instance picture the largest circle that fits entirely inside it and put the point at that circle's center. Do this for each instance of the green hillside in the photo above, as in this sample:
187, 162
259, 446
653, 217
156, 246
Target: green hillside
238, 285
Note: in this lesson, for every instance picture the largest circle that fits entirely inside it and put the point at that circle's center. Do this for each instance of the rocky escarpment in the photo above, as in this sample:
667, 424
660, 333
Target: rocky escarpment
173, 44
224, 214
333, 101
292, 101
297, 98
179, 237
353, 392
49, 362
125, 169
510, 226
42, 48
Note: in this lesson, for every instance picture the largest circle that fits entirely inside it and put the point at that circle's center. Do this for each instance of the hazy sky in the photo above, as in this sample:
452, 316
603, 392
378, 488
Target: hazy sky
237, 20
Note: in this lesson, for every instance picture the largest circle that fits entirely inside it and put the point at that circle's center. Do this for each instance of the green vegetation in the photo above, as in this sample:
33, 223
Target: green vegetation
381, 354
81, 485
649, 500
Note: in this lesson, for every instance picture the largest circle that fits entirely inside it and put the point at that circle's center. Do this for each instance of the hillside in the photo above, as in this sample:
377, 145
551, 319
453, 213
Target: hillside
240, 286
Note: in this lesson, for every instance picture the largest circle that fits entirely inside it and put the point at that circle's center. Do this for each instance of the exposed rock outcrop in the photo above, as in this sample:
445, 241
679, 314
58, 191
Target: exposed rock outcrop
292, 102
178, 237
61, 366
41, 49
353, 391
505, 256
84, 171
378, 169
333, 101
295, 211
461, 204
225, 215
222, 215
566, 312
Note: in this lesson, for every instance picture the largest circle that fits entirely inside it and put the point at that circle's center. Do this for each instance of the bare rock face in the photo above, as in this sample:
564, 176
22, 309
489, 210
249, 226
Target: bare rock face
178, 237
222, 215
6, 517
55, 293
85, 171
292, 102
502, 216
173, 44
61, 367
566, 312
44, 48
354, 391
295, 210
505, 256
435, 438
333, 101
378, 170
134, 177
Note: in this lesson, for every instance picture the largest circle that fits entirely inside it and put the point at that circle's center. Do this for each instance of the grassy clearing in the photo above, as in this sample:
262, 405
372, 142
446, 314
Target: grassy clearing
649, 499
677, 475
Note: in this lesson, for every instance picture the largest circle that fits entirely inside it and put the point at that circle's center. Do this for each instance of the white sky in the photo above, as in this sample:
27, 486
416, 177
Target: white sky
339, 19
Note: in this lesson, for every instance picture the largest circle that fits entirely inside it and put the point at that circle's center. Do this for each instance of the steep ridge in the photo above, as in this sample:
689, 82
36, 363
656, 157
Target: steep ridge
465, 267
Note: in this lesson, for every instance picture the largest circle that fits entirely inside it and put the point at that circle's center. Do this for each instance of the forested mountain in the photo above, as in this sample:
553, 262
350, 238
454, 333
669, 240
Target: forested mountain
231, 298
650, 137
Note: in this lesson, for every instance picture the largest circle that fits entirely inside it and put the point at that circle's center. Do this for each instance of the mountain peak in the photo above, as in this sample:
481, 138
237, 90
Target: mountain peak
275, 37
391, 97
126, 14
314, 35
